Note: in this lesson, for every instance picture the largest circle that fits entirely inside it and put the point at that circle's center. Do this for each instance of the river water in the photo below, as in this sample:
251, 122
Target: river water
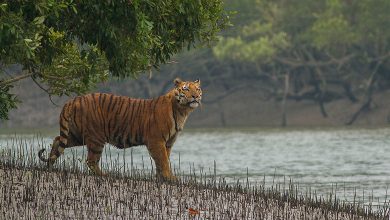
354, 163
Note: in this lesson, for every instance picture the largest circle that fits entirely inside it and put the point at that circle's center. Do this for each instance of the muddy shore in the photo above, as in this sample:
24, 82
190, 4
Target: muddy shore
33, 193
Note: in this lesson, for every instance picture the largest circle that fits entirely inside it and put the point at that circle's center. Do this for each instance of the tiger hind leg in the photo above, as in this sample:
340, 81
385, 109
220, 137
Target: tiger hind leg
93, 159
57, 149
60, 142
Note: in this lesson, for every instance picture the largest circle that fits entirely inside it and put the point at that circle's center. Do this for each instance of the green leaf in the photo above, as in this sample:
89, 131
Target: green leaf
39, 20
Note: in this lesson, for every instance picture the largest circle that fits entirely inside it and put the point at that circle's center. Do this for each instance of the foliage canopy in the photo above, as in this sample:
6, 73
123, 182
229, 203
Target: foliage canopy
70, 45
328, 27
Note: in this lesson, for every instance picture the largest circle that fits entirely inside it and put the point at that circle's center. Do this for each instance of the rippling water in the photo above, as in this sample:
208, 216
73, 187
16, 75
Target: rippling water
349, 162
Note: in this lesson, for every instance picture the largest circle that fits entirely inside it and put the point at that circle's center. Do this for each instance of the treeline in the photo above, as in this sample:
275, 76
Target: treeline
304, 50
284, 50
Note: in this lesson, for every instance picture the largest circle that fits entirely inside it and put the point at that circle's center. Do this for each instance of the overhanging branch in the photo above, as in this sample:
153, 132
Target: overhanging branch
17, 78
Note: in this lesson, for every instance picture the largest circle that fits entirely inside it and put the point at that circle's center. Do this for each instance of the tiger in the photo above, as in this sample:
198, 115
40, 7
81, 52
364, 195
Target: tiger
99, 118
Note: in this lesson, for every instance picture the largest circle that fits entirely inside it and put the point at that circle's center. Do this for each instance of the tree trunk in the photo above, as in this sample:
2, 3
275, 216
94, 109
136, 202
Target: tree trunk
388, 118
286, 88
370, 88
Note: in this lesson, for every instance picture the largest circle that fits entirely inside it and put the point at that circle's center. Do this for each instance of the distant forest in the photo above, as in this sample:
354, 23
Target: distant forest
283, 51
319, 51
312, 50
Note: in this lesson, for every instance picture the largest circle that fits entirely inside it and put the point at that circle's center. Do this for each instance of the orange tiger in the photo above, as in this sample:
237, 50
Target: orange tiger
96, 119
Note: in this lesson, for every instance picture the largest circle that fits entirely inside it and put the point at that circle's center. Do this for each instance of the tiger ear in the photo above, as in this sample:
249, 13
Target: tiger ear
177, 82
197, 81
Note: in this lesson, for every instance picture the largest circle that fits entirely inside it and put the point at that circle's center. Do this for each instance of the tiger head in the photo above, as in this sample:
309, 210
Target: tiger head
188, 93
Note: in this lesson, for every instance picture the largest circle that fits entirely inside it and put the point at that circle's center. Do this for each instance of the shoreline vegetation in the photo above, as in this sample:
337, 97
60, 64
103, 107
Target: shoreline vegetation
30, 191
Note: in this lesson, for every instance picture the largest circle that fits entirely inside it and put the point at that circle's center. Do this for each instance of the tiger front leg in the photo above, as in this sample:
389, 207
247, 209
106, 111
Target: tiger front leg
169, 144
159, 154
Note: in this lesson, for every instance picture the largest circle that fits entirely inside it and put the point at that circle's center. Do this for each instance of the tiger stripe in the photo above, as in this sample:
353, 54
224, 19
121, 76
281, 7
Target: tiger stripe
99, 118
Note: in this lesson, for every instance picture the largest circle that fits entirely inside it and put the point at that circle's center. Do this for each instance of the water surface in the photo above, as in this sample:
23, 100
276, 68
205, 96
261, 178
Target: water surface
352, 162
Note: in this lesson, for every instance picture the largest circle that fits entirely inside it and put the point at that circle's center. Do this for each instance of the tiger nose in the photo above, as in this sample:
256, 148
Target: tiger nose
195, 96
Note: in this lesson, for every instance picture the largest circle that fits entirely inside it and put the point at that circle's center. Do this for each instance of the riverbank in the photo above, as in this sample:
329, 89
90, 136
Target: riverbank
30, 191
34, 193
